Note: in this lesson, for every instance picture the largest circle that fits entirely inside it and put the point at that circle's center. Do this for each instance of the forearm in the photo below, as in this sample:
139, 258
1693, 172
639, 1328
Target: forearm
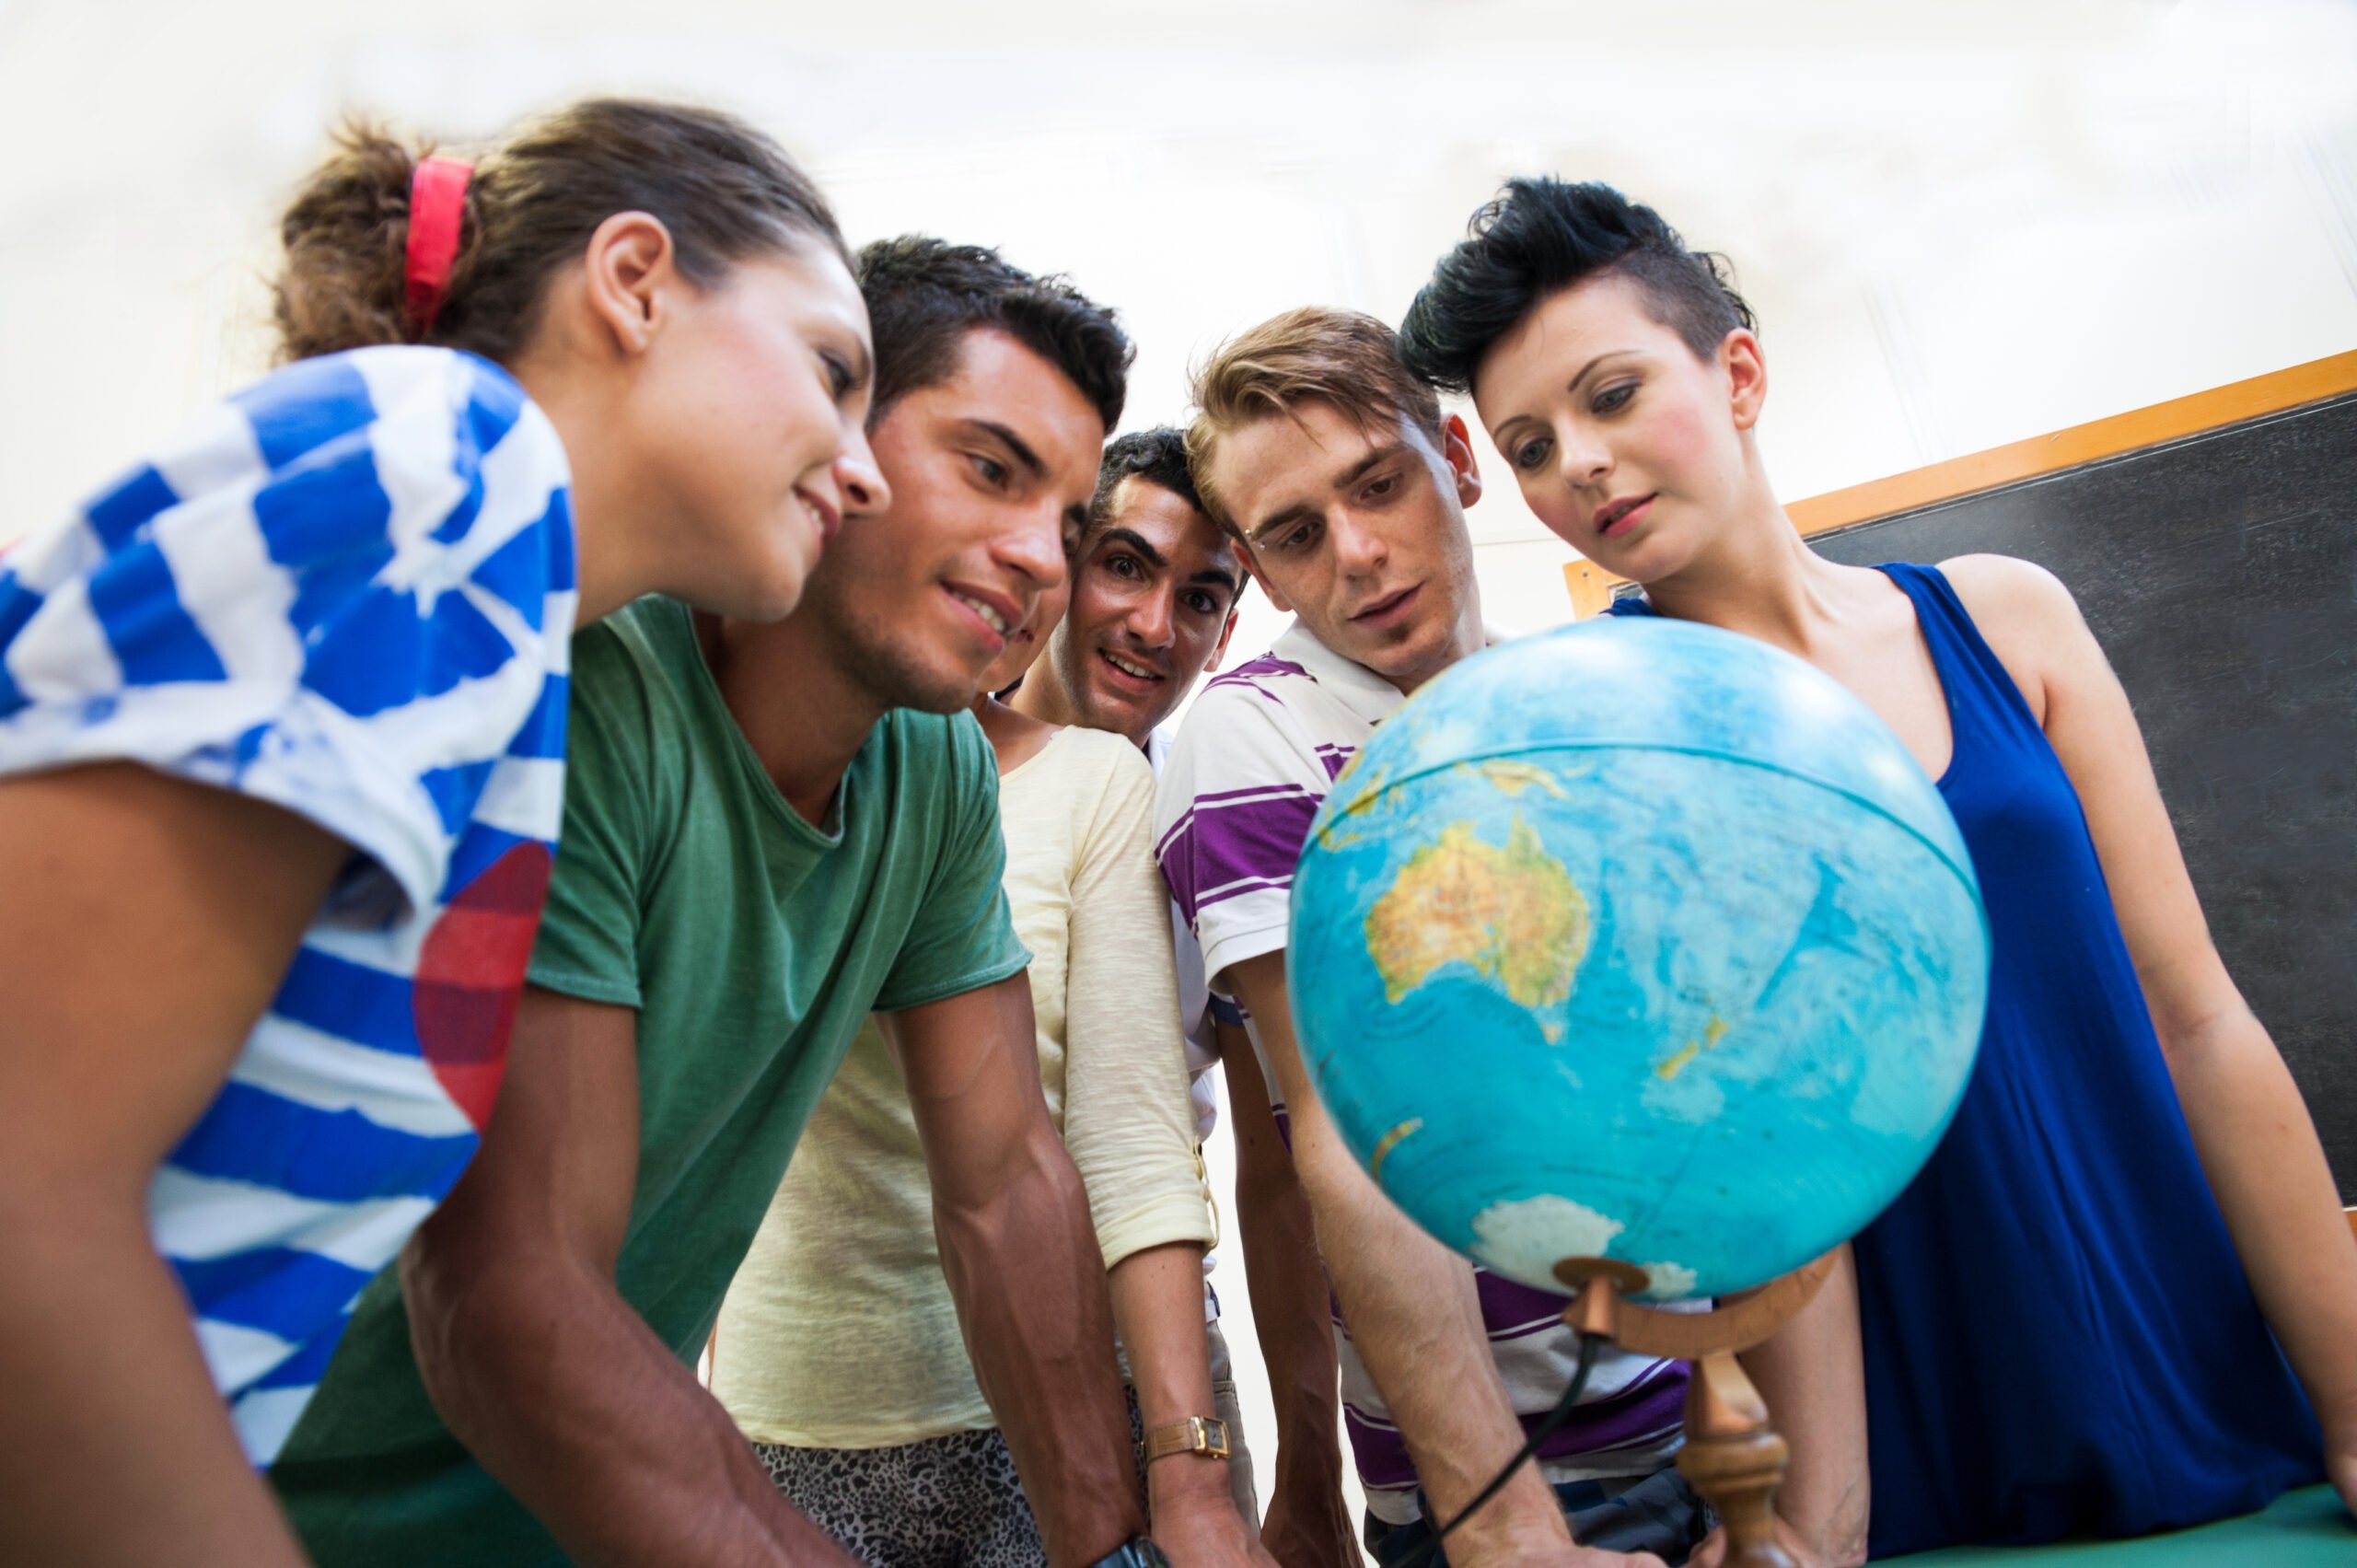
1812, 1376
1022, 1261
571, 1401
2260, 1153
1292, 1318
1157, 1296
1416, 1321
121, 1449
1413, 1314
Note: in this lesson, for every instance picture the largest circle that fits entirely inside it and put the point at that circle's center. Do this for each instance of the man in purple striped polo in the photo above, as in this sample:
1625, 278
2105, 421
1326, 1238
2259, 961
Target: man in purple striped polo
1346, 484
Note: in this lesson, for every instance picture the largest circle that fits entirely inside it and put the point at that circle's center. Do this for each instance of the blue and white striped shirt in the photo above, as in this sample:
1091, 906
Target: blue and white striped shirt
348, 590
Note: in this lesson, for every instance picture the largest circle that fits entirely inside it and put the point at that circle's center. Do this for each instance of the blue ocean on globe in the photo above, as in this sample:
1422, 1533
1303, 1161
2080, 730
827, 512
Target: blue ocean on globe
1643, 940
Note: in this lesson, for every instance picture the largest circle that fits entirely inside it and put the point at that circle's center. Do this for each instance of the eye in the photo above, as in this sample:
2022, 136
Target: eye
1202, 604
839, 375
1613, 400
1533, 452
1124, 566
1378, 489
991, 471
1298, 538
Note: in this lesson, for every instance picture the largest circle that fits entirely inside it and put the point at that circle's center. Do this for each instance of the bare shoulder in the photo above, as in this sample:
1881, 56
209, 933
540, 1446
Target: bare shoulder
2028, 619
2007, 589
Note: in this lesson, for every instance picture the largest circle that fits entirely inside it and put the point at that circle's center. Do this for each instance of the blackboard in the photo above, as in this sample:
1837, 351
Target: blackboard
2220, 573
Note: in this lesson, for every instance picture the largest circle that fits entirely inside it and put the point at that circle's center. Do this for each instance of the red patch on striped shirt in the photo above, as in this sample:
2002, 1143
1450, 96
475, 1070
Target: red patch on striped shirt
470, 972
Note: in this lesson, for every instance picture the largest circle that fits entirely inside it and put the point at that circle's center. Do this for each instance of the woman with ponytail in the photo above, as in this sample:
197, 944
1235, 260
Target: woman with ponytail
282, 750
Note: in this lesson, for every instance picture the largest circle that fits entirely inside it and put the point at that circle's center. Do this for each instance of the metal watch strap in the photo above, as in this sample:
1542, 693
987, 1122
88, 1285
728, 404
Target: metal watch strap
1205, 1435
1138, 1551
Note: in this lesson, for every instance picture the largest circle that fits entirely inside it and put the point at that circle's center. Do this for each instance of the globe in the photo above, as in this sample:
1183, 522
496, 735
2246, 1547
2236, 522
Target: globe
1638, 940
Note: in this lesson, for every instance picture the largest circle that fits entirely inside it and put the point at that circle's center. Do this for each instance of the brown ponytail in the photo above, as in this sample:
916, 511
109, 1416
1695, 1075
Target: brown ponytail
725, 190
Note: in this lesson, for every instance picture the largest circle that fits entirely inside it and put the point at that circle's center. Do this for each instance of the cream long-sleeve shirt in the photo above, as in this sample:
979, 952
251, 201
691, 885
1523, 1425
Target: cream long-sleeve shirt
838, 1330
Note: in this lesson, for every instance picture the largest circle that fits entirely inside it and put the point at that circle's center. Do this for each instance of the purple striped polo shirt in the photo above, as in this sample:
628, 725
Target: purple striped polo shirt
1256, 754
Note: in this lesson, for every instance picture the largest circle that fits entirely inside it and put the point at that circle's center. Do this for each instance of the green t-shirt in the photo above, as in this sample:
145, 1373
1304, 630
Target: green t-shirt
751, 944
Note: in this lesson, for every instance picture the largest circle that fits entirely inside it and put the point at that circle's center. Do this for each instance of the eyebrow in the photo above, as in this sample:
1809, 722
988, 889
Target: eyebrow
1014, 444
1357, 471
1130, 539
1507, 424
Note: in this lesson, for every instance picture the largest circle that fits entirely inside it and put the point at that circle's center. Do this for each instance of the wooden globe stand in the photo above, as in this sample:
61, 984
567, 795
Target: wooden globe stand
1732, 1457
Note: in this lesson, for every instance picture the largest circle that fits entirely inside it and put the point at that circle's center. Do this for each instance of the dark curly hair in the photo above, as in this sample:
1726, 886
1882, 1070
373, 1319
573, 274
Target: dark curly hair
1539, 236
1158, 456
723, 191
925, 294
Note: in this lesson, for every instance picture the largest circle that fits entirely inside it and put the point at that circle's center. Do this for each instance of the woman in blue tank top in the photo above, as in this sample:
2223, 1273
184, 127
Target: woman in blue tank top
2070, 1322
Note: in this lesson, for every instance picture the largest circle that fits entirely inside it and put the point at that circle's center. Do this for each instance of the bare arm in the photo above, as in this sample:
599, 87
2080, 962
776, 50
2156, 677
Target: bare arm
1812, 1375
2251, 1128
1415, 1317
1308, 1524
1158, 1305
1022, 1261
198, 897
530, 1353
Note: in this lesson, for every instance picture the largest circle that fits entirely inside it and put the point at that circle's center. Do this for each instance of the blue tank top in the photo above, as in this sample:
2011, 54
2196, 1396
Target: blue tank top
2059, 1336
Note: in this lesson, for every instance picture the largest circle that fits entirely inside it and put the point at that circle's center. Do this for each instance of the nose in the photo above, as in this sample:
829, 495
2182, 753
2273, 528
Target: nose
1032, 546
1582, 457
1148, 622
861, 478
1359, 549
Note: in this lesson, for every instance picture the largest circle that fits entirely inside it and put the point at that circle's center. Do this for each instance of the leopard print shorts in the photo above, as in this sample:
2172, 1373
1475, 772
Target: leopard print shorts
949, 1501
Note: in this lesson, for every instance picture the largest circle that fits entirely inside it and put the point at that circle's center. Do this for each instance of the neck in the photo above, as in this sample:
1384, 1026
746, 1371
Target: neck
803, 716
1043, 696
1015, 737
605, 564
1756, 576
1465, 640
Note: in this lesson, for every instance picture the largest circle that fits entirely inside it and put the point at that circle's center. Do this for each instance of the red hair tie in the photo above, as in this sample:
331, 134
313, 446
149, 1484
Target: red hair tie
437, 205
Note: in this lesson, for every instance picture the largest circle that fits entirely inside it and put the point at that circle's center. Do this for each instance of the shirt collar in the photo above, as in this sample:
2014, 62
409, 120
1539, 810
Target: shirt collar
1357, 688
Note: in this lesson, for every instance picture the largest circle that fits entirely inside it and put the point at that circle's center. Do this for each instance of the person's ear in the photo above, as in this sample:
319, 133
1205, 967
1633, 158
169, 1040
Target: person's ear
1457, 450
629, 272
1219, 649
1746, 369
1252, 567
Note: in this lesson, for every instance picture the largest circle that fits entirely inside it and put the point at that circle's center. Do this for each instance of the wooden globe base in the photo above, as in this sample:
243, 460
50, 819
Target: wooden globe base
1732, 1459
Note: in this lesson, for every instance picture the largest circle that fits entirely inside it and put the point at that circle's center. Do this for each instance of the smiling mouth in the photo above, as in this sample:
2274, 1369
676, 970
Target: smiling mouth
1128, 669
990, 613
828, 521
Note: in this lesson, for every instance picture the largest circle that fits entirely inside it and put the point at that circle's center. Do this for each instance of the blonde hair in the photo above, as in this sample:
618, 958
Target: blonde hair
1346, 360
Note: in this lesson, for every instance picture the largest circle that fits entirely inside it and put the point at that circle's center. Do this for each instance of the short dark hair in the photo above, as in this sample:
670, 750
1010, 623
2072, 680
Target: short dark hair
1158, 456
925, 294
1539, 236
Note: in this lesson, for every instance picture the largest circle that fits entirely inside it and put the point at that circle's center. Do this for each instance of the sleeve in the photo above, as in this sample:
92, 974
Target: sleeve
1129, 1117
1232, 812
333, 592
590, 927
963, 935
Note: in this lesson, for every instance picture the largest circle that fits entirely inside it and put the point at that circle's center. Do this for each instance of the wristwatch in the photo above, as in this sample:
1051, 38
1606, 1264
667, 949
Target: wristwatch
1138, 1551
1205, 1435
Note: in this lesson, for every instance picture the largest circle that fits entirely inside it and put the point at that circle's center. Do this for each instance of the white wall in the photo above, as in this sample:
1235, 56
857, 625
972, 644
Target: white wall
1961, 223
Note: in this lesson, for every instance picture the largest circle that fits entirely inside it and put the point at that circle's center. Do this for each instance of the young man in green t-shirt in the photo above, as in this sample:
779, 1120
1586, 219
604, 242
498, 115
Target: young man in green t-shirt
769, 830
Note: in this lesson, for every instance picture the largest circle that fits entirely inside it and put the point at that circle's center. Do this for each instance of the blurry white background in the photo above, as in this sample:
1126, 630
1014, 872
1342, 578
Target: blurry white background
1961, 223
